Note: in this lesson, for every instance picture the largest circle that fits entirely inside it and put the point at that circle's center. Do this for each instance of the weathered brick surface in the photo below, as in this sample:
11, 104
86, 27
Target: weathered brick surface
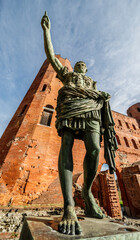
29, 151
108, 197
131, 179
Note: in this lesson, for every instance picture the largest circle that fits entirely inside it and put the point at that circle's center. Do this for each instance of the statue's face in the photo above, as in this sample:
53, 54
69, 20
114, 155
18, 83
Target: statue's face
80, 67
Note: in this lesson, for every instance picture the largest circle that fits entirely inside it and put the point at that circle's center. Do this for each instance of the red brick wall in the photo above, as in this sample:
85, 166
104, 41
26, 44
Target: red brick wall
131, 179
109, 198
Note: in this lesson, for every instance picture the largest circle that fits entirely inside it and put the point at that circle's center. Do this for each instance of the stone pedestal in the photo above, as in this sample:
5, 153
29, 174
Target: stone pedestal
44, 228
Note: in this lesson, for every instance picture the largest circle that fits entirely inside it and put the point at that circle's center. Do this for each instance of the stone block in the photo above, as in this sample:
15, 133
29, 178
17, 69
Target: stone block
41, 228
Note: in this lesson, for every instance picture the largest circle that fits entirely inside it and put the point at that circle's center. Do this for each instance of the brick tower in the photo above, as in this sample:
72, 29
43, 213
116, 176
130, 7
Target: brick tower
134, 111
29, 147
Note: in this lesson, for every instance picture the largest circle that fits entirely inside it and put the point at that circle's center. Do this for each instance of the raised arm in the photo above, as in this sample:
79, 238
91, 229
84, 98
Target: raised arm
56, 64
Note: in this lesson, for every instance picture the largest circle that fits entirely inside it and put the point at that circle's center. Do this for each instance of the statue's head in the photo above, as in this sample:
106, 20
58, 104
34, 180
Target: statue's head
80, 67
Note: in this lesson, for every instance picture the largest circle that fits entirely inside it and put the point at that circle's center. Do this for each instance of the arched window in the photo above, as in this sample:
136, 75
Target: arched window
138, 109
104, 167
134, 143
134, 126
23, 110
44, 87
126, 142
47, 115
118, 140
120, 124
127, 125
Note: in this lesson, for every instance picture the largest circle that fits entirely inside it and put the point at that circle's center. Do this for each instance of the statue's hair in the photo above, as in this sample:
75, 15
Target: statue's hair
80, 62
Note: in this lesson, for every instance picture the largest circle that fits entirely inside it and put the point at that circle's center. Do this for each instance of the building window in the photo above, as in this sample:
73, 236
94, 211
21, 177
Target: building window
44, 87
47, 115
120, 124
23, 110
134, 143
118, 140
138, 109
126, 142
134, 126
127, 125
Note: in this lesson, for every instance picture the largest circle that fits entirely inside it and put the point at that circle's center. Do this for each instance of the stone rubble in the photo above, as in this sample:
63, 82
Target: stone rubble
11, 220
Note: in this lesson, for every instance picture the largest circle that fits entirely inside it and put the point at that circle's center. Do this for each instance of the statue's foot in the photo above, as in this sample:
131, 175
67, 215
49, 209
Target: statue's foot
69, 223
91, 207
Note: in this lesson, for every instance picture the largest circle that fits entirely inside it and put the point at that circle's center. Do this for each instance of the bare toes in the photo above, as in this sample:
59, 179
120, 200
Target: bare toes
72, 228
68, 227
60, 227
77, 228
64, 225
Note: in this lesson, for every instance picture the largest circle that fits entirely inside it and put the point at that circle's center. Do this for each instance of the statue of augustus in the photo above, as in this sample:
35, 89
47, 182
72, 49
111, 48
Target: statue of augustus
82, 111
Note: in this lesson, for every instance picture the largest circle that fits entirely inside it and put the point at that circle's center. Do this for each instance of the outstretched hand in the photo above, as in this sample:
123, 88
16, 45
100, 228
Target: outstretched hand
45, 22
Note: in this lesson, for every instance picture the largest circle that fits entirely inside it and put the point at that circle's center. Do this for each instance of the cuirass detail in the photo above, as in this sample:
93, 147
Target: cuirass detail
78, 80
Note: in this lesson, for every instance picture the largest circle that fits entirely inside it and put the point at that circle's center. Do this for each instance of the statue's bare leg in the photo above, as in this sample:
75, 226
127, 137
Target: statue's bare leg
92, 144
69, 223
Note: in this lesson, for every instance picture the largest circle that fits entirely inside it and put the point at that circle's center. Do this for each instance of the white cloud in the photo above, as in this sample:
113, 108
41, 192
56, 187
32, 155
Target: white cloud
91, 62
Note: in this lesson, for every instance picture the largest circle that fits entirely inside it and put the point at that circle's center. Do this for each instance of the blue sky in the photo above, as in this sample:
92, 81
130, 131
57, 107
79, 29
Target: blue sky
103, 33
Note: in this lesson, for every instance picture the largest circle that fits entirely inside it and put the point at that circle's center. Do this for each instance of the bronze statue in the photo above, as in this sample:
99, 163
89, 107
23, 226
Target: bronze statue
82, 112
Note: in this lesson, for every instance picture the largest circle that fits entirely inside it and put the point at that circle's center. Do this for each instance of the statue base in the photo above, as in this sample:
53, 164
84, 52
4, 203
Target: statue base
38, 228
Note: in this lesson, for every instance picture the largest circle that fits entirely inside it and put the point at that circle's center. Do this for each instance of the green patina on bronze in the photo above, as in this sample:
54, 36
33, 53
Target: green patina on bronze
83, 112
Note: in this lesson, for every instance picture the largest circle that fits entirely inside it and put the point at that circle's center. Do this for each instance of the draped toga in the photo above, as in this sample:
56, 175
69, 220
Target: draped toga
81, 107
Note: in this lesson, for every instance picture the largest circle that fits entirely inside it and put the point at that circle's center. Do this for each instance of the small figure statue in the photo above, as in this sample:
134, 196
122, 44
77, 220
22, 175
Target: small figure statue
82, 112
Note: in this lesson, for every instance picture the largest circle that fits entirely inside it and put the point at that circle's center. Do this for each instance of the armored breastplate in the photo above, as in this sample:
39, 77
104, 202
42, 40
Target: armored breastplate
79, 80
